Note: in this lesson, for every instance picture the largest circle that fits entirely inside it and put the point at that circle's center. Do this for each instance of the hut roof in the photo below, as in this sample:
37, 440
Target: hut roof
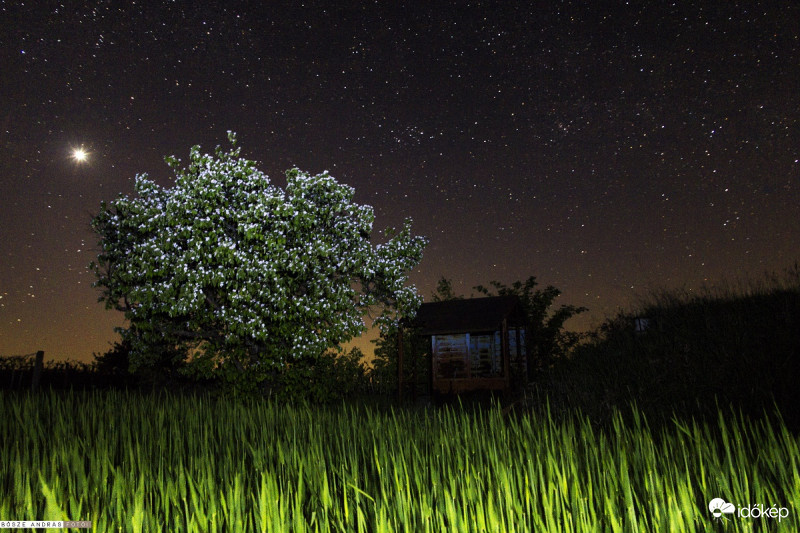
463, 316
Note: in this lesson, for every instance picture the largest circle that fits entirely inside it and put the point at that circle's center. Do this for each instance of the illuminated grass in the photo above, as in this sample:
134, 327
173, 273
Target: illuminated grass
171, 463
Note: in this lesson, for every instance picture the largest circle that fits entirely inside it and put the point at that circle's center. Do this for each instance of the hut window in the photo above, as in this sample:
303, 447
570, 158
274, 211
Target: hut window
486, 359
450, 360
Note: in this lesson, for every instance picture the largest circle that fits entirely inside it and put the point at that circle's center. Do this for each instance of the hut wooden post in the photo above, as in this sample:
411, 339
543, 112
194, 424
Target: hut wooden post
431, 367
529, 352
505, 349
400, 363
519, 359
413, 378
37, 370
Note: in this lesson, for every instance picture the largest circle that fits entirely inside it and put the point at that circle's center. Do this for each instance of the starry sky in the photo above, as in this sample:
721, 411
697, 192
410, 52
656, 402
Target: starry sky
608, 148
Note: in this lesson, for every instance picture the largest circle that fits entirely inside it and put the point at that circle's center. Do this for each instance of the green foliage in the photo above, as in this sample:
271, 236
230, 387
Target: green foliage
164, 363
727, 345
189, 463
444, 291
17, 362
416, 367
331, 377
244, 276
115, 360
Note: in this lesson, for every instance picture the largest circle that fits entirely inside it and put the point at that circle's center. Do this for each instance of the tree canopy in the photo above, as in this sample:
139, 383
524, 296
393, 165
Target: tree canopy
243, 275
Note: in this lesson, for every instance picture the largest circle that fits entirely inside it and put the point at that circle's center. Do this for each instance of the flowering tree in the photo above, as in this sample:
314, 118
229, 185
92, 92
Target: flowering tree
241, 276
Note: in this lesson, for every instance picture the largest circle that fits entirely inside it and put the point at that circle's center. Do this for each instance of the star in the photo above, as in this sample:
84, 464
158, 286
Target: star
79, 155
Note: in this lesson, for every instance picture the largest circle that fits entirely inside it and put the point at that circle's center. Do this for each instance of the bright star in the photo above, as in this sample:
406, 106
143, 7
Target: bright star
79, 155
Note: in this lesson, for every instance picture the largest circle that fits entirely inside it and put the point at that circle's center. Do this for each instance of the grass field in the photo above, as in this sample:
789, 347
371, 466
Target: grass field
135, 462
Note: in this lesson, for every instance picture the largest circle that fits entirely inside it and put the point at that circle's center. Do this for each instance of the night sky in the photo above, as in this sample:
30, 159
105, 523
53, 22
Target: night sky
609, 150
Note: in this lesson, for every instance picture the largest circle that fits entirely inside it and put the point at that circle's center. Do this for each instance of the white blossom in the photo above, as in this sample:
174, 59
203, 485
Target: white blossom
224, 260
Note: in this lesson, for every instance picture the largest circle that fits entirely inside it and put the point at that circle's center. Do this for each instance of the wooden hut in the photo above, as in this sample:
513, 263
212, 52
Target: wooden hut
475, 344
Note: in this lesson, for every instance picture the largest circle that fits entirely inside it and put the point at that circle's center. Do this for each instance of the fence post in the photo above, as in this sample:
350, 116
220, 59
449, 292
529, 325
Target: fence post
37, 370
